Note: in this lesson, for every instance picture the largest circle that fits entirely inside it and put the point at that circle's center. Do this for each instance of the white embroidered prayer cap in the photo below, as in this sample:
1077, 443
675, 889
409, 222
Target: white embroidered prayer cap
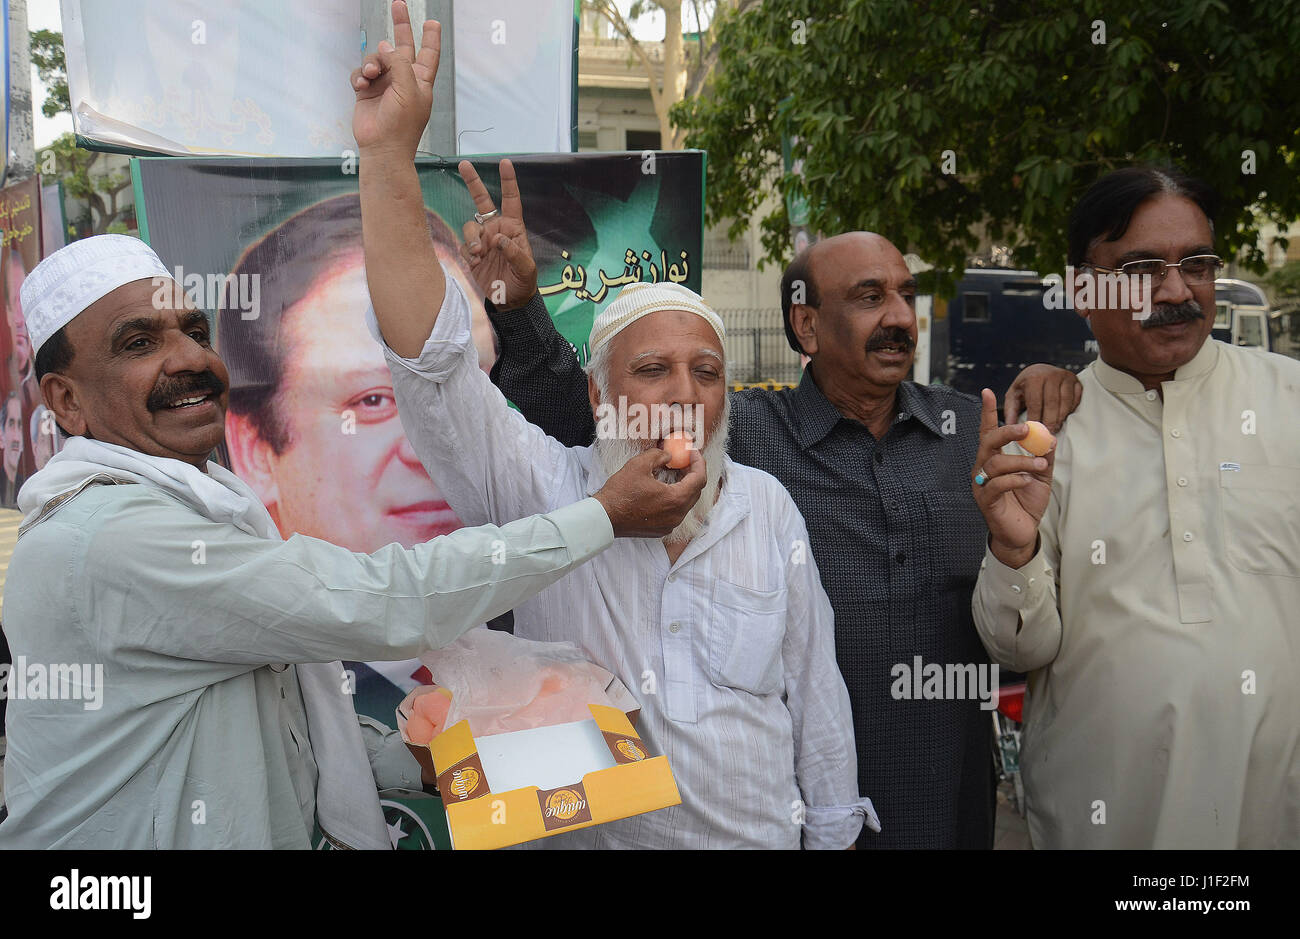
637, 300
75, 276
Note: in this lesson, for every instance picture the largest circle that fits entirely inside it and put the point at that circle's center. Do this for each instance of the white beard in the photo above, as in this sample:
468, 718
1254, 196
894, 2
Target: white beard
614, 453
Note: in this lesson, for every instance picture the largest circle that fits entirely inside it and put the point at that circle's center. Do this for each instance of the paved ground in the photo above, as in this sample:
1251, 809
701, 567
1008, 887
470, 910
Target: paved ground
9, 520
1010, 831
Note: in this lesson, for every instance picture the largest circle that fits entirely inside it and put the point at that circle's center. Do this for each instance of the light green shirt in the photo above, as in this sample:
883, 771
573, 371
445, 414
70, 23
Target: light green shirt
1160, 619
201, 739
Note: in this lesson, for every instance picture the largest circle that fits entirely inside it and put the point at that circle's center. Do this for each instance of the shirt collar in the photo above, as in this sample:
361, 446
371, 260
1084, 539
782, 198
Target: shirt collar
1117, 382
913, 403
817, 416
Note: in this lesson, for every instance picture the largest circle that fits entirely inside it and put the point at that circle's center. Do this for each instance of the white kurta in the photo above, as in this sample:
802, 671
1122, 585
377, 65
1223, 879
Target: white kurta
729, 650
201, 740
1161, 615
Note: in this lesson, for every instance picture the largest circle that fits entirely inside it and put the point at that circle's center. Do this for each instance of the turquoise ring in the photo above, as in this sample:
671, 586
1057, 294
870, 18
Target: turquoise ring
980, 478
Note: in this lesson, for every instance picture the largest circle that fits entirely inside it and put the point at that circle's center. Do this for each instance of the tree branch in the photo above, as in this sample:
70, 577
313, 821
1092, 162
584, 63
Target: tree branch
709, 60
607, 9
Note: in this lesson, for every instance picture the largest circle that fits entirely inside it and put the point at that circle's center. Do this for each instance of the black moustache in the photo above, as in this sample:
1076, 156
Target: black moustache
900, 339
1167, 315
169, 392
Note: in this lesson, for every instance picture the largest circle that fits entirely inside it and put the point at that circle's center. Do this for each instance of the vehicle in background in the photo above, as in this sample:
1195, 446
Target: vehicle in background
996, 325
1241, 314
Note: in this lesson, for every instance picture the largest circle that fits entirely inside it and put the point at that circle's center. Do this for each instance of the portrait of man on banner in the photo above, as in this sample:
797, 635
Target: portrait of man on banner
312, 425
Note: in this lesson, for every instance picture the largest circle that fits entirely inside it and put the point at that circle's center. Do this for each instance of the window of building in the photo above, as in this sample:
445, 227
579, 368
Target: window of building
975, 308
643, 139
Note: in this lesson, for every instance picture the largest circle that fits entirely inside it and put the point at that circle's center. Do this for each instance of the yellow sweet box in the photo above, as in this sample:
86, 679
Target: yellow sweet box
509, 788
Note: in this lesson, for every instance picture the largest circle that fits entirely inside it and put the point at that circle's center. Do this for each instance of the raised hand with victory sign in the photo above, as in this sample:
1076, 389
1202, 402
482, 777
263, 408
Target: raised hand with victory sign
394, 87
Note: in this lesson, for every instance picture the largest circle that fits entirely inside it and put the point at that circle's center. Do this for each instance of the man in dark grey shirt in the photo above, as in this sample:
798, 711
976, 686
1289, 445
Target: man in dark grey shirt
880, 467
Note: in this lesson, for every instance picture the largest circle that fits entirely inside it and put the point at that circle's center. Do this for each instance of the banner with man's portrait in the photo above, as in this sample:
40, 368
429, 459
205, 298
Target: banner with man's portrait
272, 249
28, 437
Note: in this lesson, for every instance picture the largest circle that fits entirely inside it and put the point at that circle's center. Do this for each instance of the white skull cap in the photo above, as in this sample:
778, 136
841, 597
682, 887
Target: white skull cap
637, 300
75, 276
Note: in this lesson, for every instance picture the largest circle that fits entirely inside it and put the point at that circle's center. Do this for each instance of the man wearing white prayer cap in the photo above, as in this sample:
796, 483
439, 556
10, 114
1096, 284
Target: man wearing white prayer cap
723, 625
152, 608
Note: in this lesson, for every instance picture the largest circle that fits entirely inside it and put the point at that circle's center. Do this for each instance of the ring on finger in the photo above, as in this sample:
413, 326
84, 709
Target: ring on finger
981, 477
482, 217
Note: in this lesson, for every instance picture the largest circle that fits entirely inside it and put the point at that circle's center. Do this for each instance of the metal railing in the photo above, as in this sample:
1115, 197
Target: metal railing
723, 255
756, 348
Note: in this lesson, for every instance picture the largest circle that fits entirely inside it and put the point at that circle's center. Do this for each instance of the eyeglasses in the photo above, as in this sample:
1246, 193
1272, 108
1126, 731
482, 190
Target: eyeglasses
1195, 271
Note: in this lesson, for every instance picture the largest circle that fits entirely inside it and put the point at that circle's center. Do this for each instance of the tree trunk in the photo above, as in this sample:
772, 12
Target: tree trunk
674, 86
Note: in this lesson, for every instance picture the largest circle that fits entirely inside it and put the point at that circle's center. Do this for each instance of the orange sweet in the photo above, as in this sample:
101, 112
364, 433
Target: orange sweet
678, 447
433, 708
419, 730
1039, 441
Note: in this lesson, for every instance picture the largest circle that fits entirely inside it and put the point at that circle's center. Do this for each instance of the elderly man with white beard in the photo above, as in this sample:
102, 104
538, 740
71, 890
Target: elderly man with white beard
723, 626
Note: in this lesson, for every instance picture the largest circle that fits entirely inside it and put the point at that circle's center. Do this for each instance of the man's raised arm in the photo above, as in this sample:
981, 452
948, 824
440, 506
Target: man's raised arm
1014, 603
537, 368
394, 89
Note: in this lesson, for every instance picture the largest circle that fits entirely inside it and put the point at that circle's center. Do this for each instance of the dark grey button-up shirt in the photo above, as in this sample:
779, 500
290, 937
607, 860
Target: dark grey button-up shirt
898, 541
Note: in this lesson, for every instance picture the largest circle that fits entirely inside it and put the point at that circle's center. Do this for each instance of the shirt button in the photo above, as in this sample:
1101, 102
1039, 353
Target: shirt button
1175, 433
672, 577
893, 504
1188, 536
1182, 480
900, 557
1151, 395
880, 457
1015, 588
674, 627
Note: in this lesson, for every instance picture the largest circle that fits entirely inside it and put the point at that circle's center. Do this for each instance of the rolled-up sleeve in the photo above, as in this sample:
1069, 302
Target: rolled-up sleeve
391, 762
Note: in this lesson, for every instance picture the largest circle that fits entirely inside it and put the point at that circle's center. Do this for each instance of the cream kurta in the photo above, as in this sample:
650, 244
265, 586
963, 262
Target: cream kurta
1161, 615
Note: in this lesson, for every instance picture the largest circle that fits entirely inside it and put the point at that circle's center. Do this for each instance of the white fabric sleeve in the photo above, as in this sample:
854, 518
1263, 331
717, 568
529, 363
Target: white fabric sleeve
490, 464
1016, 611
253, 601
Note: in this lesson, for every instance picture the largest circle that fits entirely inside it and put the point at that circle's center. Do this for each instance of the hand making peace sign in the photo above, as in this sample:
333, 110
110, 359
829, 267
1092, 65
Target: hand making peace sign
496, 242
394, 87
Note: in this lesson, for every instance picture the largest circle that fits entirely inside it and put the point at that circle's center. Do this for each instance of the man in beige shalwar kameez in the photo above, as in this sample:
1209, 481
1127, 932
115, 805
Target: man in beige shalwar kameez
1147, 572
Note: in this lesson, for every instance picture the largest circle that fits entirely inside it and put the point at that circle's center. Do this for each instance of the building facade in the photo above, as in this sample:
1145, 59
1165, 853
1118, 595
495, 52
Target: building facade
616, 112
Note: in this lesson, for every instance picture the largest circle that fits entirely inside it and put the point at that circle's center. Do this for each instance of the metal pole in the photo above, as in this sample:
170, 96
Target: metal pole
22, 148
376, 24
